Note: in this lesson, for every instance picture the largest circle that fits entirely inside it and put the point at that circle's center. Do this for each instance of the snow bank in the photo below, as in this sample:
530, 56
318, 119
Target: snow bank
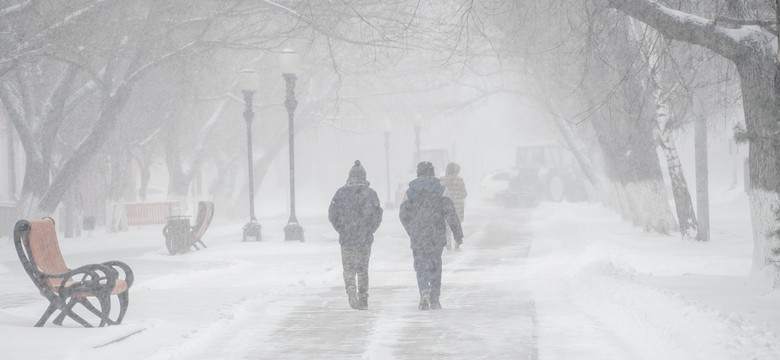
610, 311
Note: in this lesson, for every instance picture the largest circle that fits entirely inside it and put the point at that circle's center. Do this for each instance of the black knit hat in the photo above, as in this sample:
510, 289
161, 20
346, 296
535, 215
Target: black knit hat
357, 172
425, 168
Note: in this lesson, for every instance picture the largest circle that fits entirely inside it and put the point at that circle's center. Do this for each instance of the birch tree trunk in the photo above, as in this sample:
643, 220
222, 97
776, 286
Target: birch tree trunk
753, 52
649, 41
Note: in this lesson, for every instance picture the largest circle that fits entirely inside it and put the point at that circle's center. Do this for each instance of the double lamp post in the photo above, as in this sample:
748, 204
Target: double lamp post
249, 82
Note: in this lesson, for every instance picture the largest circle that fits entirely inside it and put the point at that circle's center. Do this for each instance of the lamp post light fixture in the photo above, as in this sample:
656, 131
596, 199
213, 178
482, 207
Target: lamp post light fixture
417, 128
249, 82
389, 202
289, 63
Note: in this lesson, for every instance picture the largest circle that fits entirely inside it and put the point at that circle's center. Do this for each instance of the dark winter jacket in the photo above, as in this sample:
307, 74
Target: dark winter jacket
425, 214
355, 213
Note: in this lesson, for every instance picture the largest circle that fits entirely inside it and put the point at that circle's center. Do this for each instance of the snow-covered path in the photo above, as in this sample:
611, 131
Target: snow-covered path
485, 315
560, 281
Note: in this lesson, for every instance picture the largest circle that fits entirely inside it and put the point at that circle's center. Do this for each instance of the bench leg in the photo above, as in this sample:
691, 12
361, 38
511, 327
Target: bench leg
69, 308
124, 300
68, 311
195, 241
46, 314
102, 313
105, 305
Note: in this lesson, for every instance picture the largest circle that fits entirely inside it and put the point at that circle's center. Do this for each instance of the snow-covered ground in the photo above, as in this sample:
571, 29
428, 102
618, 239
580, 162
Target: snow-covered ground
654, 297
559, 281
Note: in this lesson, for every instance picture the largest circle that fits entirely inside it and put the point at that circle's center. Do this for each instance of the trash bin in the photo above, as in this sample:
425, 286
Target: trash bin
177, 233
88, 224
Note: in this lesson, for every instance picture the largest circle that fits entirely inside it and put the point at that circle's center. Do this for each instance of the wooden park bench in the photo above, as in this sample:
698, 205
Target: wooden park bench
39, 251
145, 213
180, 236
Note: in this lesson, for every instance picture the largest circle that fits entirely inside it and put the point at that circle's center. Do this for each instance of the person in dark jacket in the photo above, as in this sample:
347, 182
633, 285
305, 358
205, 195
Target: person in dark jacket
425, 214
355, 213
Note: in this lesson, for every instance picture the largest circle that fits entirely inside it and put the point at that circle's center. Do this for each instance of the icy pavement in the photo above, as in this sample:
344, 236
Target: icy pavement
485, 315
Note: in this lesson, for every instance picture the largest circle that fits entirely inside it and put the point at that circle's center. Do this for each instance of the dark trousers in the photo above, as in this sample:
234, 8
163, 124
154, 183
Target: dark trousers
427, 264
354, 260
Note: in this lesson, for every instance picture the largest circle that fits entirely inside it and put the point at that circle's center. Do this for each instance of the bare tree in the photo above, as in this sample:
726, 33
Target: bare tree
752, 50
652, 46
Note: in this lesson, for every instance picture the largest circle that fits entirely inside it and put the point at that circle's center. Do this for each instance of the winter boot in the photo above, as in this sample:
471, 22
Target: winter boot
362, 302
352, 296
435, 304
425, 300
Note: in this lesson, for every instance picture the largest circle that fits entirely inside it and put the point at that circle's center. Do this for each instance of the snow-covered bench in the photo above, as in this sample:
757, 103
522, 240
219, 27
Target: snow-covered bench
145, 213
89, 285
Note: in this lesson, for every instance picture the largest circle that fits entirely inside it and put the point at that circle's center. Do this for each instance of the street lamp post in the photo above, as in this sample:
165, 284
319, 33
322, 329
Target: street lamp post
11, 161
288, 60
249, 83
417, 128
389, 202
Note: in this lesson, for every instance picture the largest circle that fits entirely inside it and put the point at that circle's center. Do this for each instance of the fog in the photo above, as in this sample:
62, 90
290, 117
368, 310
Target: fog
481, 140
645, 196
477, 86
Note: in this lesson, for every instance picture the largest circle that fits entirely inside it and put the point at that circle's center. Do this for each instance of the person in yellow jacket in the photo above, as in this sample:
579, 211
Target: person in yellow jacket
456, 190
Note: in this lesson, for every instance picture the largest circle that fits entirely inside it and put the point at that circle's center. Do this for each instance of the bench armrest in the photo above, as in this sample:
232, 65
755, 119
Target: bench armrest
92, 278
128, 272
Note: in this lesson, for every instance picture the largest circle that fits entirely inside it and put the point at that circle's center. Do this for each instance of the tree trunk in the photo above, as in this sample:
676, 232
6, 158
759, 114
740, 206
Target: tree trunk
179, 182
686, 217
761, 118
624, 131
119, 179
682, 197
753, 53
650, 43
11, 147
180, 177
144, 161
702, 171
579, 155
111, 107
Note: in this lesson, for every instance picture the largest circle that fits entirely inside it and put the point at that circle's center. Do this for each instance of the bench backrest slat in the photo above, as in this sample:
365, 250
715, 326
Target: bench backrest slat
205, 213
45, 249
149, 212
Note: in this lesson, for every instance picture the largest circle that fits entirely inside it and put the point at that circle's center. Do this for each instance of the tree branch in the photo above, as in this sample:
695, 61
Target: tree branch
768, 25
677, 25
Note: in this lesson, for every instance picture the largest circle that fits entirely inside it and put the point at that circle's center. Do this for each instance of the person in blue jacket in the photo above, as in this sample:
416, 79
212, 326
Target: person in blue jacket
425, 213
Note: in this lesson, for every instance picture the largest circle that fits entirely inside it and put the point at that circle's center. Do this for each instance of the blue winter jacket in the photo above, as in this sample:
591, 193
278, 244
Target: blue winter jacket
425, 213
